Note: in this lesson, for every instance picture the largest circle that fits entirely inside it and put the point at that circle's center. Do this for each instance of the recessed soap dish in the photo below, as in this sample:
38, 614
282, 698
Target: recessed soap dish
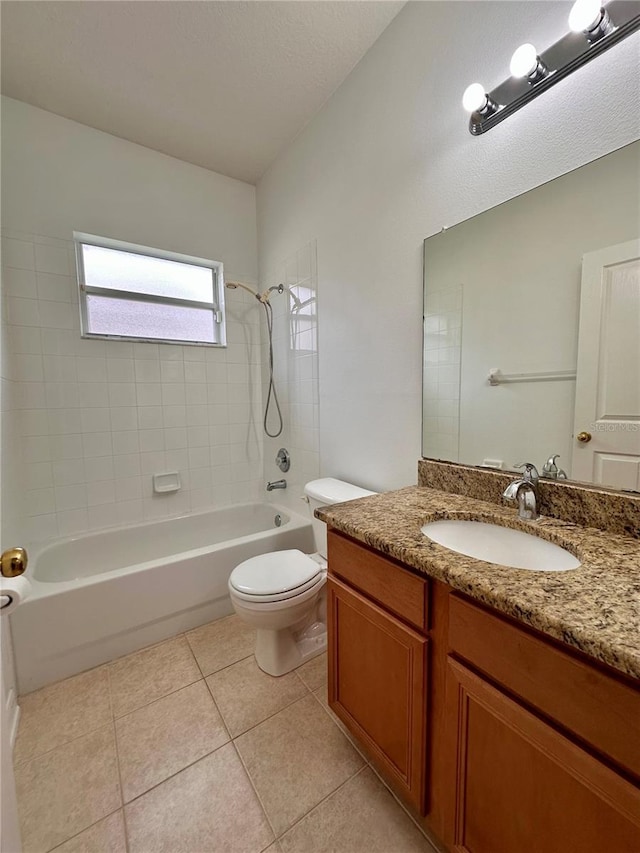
167, 482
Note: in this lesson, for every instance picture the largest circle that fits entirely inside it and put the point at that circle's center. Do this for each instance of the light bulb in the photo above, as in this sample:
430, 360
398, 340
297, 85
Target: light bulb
585, 15
474, 98
524, 61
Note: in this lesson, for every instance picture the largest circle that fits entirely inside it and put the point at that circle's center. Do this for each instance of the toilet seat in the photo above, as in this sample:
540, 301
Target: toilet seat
277, 576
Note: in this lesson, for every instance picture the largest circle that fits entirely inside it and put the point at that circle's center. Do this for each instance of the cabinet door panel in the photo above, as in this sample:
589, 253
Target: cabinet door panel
377, 685
522, 786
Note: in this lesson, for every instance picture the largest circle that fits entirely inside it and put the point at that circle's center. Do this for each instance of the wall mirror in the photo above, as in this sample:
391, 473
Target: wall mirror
532, 329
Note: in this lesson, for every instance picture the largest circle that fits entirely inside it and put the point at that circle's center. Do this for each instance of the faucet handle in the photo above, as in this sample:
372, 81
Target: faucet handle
530, 472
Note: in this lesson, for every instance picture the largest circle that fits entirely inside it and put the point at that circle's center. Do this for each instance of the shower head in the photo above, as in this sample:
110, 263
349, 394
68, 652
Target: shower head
233, 285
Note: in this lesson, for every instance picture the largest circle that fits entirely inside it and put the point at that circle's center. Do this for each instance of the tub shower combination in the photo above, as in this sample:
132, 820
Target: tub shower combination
99, 596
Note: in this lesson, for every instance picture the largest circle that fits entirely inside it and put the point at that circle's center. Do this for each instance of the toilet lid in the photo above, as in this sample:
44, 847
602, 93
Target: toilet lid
274, 573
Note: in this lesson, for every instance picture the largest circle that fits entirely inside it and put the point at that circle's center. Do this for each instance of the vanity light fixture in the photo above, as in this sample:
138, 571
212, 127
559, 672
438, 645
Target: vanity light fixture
594, 29
526, 63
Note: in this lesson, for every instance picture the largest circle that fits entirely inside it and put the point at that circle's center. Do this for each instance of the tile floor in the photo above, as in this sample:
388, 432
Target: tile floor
187, 747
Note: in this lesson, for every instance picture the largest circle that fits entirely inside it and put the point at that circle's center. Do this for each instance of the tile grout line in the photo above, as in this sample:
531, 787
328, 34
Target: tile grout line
115, 740
323, 800
91, 825
255, 791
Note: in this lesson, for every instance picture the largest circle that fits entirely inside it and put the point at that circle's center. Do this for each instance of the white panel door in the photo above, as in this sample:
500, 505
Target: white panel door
607, 408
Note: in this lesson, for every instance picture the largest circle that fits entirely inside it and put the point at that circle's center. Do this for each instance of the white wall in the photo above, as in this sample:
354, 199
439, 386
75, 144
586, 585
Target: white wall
388, 162
97, 418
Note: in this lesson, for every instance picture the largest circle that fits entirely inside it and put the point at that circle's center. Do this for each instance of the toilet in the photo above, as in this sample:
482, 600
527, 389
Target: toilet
283, 595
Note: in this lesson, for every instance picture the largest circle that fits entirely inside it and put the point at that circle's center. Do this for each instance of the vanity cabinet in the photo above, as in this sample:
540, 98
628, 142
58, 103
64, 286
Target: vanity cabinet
500, 738
378, 662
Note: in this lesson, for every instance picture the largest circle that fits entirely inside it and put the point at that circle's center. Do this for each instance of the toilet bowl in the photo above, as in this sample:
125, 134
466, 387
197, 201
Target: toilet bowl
282, 594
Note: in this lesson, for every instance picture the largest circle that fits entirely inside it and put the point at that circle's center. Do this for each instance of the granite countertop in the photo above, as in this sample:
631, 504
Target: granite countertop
595, 608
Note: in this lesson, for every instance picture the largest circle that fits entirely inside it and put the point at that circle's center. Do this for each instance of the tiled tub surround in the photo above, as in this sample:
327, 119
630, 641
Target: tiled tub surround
188, 746
295, 348
98, 418
595, 608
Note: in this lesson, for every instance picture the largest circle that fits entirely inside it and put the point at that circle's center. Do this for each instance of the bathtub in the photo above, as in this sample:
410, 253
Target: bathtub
102, 595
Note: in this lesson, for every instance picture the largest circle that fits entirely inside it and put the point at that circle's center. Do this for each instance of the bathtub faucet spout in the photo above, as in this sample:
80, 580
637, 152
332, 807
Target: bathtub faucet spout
276, 484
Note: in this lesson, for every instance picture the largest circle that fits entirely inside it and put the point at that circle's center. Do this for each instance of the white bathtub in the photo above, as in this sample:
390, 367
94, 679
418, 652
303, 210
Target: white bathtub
101, 595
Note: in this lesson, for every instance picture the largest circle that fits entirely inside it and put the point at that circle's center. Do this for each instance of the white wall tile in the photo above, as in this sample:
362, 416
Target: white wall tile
71, 497
18, 253
19, 282
52, 259
124, 418
99, 468
67, 446
122, 394
92, 370
150, 417
22, 312
102, 492
126, 465
120, 370
99, 444
147, 370
38, 475
72, 521
67, 472
125, 441
55, 288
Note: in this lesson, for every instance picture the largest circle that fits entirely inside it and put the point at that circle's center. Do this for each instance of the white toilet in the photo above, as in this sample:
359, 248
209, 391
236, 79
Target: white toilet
282, 594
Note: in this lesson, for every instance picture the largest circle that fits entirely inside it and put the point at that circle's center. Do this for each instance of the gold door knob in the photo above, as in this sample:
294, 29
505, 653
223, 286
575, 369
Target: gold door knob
13, 562
584, 437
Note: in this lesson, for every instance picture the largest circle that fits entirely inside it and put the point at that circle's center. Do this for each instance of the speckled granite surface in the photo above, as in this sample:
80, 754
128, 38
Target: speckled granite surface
589, 506
595, 608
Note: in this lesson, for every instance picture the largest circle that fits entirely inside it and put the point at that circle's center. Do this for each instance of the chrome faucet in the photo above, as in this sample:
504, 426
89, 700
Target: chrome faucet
276, 484
525, 492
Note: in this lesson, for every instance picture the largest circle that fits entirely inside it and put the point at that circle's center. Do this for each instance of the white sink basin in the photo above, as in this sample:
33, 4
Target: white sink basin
500, 545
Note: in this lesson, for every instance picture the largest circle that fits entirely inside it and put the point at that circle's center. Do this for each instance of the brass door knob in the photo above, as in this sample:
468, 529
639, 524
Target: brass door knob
13, 562
584, 437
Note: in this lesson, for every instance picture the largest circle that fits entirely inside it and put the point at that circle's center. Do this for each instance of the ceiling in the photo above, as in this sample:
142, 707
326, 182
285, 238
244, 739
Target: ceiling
223, 85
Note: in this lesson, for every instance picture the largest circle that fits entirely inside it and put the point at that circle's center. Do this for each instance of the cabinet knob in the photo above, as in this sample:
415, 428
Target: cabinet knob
584, 437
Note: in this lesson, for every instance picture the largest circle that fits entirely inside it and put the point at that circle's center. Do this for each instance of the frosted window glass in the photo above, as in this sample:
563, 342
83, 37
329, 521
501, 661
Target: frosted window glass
118, 270
107, 315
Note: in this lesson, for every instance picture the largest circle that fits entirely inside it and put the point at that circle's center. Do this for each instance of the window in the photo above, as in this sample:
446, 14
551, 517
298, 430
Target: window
134, 292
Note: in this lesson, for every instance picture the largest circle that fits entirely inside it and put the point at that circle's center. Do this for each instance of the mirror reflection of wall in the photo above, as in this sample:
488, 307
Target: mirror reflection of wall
502, 290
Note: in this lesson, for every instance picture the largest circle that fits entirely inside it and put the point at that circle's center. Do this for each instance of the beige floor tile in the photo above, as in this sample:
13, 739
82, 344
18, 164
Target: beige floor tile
160, 739
67, 790
210, 806
107, 836
246, 695
61, 712
150, 674
295, 759
314, 672
361, 817
221, 643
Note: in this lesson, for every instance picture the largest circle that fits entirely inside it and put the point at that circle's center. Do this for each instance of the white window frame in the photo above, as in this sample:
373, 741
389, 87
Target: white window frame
217, 306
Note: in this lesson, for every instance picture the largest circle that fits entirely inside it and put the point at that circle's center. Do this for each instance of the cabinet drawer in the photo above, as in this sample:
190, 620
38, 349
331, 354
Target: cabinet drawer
597, 707
395, 588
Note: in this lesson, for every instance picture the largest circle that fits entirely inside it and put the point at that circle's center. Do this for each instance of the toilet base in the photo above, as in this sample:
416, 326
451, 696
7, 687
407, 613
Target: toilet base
279, 652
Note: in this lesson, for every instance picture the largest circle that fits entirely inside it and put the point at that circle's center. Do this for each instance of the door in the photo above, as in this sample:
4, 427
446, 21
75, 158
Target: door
522, 786
377, 686
607, 409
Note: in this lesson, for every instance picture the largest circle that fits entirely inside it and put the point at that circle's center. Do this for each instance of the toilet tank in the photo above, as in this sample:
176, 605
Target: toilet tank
329, 491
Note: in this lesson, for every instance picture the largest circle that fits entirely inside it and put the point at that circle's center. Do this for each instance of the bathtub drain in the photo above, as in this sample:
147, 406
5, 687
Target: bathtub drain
278, 520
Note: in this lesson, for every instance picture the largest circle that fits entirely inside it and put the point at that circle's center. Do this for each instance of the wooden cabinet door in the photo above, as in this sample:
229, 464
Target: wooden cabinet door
522, 786
377, 686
